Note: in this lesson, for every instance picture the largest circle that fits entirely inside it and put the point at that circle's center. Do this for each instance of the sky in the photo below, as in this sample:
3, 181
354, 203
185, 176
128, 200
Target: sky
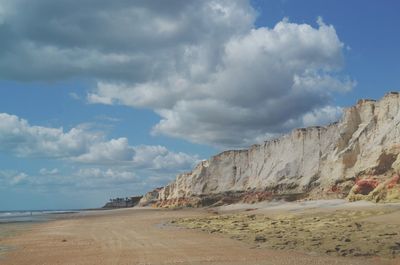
102, 99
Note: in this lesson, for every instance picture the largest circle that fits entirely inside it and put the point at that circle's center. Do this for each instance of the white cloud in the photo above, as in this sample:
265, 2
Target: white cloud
107, 118
94, 98
82, 145
154, 157
22, 139
12, 178
126, 178
92, 177
160, 158
74, 95
18, 178
47, 172
83, 178
264, 82
115, 150
319, 116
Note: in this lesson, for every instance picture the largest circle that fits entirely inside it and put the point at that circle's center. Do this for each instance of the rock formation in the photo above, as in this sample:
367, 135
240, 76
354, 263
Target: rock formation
356, 157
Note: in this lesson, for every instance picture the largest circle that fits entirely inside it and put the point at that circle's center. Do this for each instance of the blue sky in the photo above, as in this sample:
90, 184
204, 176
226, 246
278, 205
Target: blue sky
115, 98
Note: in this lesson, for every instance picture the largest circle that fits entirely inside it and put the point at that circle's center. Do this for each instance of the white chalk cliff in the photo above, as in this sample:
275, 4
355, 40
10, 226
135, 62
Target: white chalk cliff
317, 161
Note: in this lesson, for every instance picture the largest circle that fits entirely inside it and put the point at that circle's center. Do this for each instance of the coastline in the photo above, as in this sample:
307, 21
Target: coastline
33, 215
144, 236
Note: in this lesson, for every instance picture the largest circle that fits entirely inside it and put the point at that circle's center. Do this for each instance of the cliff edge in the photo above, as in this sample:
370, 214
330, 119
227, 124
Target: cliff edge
357, 157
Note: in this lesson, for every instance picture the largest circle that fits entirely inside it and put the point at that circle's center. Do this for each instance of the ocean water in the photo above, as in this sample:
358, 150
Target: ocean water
31, 216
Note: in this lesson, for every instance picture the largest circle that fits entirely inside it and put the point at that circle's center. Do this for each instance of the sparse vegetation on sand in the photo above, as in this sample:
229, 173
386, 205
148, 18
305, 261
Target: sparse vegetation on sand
343, 233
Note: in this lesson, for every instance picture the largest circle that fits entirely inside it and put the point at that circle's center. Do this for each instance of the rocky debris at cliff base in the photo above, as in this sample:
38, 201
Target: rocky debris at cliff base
342, 233
377, 189
369, 188
226, 198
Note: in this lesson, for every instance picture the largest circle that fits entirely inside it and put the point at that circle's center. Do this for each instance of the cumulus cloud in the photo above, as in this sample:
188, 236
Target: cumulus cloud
111, 151
128, 179
22, 139
154, 157
83, 178
18, 178
48, 172
269, 82
99, 177
263, 82
202, 66
82, 145
160, 158
12, 178
93, 161
322, 115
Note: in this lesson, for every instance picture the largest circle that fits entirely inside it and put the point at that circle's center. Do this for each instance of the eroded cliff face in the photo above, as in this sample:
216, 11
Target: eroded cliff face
318, 162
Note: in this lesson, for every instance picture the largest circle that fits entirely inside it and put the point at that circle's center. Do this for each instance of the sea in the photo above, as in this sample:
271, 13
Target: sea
31, 215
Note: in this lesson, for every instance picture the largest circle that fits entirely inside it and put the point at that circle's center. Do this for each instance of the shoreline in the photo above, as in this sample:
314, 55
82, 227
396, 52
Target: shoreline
144, 236
9, 230
17, 216
17, 225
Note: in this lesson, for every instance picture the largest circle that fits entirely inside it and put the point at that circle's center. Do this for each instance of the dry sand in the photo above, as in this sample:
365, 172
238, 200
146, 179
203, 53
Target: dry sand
138, 236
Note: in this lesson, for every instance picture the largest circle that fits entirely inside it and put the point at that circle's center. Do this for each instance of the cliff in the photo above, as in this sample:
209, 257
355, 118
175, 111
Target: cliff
357, 157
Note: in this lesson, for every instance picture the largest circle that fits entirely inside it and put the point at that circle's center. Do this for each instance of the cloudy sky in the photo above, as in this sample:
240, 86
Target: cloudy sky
102, 98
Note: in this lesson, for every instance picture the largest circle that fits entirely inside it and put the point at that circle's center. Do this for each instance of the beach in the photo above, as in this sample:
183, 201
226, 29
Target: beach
154, 236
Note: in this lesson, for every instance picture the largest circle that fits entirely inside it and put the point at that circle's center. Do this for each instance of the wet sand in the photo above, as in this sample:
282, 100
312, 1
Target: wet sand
141, 236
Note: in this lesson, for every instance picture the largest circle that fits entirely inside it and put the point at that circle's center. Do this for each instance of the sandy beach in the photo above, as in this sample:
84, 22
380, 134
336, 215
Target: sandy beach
146, 236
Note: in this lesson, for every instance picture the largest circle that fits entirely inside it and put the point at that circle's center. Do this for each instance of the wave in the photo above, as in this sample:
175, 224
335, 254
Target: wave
34, 215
